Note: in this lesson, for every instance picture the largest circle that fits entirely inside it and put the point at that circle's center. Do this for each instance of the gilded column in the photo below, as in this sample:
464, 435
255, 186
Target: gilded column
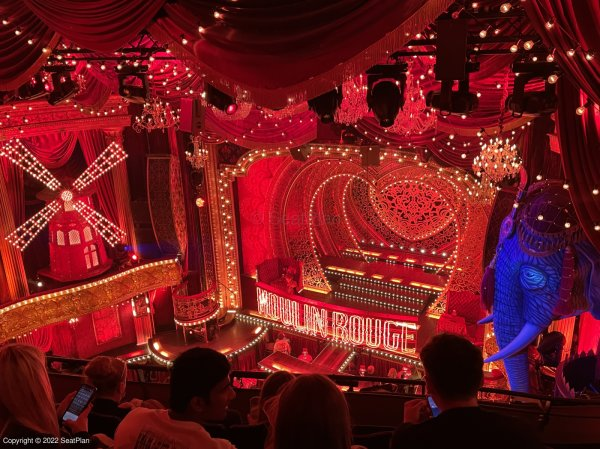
223, 230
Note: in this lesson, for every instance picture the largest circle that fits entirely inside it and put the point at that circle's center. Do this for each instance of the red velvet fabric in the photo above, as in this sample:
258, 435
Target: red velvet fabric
277, 49
52, 150
101, 25
93, 142
19, 60
576, 24
580, 153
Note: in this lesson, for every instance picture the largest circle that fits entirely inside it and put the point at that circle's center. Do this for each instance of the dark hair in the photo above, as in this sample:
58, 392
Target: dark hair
453, 366
270, 388
194, 374
106, 373
313, 413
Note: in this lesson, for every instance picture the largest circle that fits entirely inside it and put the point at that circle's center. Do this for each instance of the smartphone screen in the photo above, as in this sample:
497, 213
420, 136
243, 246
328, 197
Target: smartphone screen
435, 411
79, 403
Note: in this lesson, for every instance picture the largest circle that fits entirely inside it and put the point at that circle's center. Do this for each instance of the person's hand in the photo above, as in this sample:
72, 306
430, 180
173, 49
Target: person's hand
81, 423
416, 411
64, 404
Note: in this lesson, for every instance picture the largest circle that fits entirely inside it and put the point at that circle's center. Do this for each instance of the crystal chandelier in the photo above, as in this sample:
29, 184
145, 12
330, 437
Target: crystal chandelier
414, 117
498, 160
199, 157
156, 115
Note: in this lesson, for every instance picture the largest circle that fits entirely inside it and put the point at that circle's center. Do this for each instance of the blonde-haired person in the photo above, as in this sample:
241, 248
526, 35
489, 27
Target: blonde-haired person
312, 413
26, 400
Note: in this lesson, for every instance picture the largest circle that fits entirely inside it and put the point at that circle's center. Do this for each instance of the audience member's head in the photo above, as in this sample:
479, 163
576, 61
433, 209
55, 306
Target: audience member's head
312, 414
271, 388
25, 393
370, 370
200, 385
453, 368
280, 336
108, 375
392, 373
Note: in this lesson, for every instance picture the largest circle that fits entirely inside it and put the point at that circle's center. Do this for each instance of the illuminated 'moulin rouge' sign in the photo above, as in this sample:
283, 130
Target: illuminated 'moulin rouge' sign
303, 316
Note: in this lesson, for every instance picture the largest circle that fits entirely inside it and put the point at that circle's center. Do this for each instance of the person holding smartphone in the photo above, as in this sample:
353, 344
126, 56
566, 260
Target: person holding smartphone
27, 407
450, 417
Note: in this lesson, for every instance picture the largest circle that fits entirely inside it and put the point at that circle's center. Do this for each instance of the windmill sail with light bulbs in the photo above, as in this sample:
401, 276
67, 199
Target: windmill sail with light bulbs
76, 229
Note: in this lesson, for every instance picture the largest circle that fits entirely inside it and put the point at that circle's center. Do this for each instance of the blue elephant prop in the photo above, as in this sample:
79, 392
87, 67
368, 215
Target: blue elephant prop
544, 270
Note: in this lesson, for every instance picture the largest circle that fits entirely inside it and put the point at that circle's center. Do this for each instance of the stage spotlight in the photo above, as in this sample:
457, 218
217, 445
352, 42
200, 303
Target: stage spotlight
458, 102
63, 86
219, 100
533, 104
385, 93
34, 89
326, 104
133, 83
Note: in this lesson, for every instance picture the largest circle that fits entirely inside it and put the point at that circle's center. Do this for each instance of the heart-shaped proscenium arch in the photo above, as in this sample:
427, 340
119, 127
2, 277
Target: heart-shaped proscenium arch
412, 209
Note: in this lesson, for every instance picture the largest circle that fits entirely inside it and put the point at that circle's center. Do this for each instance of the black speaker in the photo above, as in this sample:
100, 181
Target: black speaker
370, 156
451, 49
301, 153
191, 117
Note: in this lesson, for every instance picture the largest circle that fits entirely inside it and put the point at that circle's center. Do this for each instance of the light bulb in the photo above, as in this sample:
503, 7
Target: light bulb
483, 33
184, 41
552, 79
550, 58
528, 45
589, 55
549, 24
580, 110
540, 217
505, 7
567, 225
571, 53
538, 177
514, 48
595, 192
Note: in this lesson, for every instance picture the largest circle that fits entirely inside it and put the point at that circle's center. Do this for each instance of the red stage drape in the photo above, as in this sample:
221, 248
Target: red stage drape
580, 154
576, 24
93, 142
288, 49
101, 25
52, 150
18, 59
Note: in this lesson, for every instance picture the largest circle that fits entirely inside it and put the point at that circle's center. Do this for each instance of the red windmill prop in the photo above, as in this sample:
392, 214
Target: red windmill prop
76, 249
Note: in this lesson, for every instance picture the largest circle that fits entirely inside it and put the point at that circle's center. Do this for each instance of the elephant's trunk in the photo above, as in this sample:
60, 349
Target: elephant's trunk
517, 369
528, 333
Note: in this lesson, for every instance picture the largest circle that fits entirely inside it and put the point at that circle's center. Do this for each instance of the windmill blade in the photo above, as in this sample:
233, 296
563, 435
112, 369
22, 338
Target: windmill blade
113, 155
19, 155
107, 229
24, 234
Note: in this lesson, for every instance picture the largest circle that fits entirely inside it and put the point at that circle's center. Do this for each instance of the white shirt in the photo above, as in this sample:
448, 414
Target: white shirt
146, 428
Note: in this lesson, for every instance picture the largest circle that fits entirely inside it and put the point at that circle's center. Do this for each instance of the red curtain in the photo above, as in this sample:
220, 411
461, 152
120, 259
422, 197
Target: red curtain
576, 26
580, 154
281, 49
93, 142
52, 150
101, 25
19, 60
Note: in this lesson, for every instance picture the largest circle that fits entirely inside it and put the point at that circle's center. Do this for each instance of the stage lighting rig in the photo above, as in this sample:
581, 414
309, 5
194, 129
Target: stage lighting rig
133, 83
326, 104
457, 102
385, 93
533, 104
64, 86
32, 90
219, 100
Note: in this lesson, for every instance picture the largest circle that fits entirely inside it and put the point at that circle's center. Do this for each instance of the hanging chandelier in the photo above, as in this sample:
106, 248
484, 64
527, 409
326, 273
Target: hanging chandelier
414, 117
156, 115
498, 160
199, 156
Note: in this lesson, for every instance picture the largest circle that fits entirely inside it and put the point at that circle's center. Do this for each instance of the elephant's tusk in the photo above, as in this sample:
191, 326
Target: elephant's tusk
526, 336
487, 319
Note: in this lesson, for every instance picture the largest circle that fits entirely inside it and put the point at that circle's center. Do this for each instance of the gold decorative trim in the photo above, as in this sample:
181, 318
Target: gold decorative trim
41, 310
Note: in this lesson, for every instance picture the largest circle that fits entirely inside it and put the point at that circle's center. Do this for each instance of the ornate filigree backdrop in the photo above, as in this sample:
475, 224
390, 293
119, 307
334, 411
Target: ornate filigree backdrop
303, 202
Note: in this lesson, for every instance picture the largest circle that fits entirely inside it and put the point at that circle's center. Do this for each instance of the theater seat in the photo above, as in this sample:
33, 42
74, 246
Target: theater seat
377, 440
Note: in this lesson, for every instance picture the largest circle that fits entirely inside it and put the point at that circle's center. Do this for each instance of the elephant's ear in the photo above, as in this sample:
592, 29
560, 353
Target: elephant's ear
588, 263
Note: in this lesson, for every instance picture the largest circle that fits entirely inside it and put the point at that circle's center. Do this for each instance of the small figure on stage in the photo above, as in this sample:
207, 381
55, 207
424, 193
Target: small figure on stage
282, 344
305, 356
